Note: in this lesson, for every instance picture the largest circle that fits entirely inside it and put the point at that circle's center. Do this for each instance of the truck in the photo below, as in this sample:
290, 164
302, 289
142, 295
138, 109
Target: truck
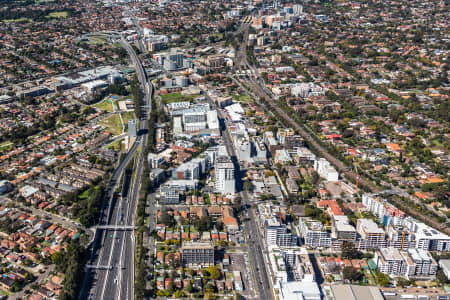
408, 297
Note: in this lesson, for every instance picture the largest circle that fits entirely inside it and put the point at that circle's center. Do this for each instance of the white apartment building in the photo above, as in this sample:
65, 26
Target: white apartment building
314, 233
428, 238
278, 234
374, 205
400, 237
225, 175
342, 230
371, 236
413, 263
390, 261
326, 170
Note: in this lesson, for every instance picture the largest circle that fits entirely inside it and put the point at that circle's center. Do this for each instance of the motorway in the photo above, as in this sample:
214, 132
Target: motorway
111, 275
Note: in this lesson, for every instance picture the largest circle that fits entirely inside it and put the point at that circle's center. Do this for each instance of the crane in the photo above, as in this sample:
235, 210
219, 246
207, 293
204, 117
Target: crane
355, 165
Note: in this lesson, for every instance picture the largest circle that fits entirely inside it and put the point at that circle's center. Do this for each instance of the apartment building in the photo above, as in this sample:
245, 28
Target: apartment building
400, 237
371, 236
197, 254
314, 233
225, 175
342, 230
390, 261
326, 170
428, 238
155, 160
413, 263
278, 234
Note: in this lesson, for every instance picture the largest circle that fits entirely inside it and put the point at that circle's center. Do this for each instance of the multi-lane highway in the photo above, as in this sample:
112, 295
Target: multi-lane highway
111, 273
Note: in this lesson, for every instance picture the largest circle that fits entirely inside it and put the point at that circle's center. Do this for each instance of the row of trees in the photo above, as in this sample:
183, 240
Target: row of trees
146, 188
72, 266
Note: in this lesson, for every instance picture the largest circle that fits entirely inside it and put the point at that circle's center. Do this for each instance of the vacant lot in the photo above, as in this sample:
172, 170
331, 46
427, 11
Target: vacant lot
177, 97
113, 124
105, 105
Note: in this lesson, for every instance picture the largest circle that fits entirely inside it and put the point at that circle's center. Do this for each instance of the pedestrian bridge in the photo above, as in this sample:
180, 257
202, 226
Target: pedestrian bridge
116, 227
99, 267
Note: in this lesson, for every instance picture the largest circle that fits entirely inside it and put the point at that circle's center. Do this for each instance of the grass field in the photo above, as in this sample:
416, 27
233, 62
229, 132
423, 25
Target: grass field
18, 20
58, 14
105, 105
6, 145
113, 124
127, 116
177, 97
242, 98
84, 195
96, 40
117, 145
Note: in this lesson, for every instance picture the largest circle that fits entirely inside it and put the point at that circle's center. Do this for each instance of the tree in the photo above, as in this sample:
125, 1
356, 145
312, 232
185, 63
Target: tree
248, 186
209, 296
349, 251
171, 287
167, 219
179, 294
213, 272
352, 274
401, 281
441, 277
57, 258
382, 279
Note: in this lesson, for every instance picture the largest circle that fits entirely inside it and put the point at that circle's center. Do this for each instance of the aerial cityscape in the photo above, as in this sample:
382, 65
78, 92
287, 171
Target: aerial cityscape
205, 149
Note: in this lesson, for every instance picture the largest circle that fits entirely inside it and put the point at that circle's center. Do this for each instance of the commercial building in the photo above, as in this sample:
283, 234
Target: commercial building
356, 292
299, 290
197, 254
173, 60
132, 128
225, 175
172, 191
187, 171
157, 176
314, 233
194, 121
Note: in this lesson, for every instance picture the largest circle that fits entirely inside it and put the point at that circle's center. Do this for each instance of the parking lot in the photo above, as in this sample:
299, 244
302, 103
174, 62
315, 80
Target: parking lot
239, 262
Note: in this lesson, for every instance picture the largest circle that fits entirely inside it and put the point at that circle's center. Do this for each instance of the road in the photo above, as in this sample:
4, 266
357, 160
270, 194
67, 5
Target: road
115, 249
255, 245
